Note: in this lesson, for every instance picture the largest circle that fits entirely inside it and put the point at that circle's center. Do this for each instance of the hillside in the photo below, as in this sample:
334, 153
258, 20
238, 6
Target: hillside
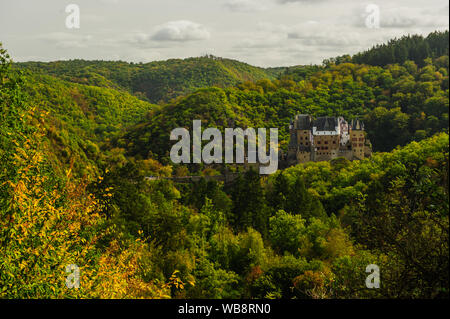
79, 139
101, 105
412, 47
415, 48
80, 119
399, 103
156, 81
307, 232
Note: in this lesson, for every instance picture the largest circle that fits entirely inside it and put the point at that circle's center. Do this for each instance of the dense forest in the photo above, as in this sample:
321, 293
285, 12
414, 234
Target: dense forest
414, 48
78, 140
399, 103
155, 81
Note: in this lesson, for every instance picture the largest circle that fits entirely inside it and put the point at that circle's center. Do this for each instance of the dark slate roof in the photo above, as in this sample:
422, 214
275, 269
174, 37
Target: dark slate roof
356, 124
326, 123
303, 122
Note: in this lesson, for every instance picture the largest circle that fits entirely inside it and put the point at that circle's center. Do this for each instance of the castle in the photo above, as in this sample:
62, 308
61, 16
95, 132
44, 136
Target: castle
326, 138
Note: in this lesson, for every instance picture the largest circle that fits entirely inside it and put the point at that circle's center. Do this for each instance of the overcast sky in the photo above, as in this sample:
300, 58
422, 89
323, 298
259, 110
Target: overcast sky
259, 32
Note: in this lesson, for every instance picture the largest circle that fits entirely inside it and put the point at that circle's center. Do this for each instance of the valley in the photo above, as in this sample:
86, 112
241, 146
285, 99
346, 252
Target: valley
86, 178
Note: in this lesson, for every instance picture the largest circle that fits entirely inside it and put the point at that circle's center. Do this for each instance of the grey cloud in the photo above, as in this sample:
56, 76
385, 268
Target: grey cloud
272, 28
142, 40
181, 31
66, 40
303, 1
247, 5
313, 33
260, 43
109, 1
262, 32
404, 17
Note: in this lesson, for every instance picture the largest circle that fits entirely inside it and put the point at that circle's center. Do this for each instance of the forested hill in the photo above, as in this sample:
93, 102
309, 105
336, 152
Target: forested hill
408, 48
399, 103
81, 119
74, 158
157, 81
415, 48
101, 108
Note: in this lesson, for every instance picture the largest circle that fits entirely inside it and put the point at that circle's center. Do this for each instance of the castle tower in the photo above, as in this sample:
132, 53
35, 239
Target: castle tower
300, 143
358, 139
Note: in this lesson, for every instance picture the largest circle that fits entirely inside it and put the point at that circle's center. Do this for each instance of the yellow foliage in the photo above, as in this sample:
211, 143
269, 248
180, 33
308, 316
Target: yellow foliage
45, 227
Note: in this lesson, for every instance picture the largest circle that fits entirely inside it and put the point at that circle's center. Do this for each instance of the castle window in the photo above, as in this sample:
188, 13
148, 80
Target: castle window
326, 142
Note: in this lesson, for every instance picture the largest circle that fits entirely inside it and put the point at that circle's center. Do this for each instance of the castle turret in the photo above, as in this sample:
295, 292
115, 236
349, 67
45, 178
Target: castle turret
300, 139
357, 138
